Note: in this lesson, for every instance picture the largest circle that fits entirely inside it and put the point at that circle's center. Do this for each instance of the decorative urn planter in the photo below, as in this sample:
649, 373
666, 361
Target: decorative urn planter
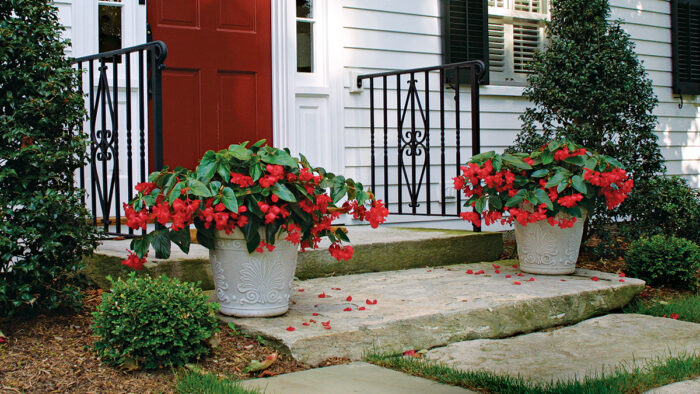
549, 250
252, 284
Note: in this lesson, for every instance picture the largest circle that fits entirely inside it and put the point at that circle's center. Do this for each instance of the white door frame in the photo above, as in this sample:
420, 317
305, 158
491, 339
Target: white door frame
286, 85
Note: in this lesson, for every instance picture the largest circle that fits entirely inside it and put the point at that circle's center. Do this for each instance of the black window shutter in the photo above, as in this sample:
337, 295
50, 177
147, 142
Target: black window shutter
465, 32
685, 25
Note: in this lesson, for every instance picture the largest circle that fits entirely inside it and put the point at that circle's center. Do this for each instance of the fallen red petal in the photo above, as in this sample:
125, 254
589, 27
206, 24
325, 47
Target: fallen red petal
312, 321
306, 324
563, 280
622, 275
411, 353
300, 290
430, 270
314, 314
327, 327
348, 309
531, 280
322, 295
595, 279
497, 271
325, 323
470, 271
516, 283
622, 280
496, 266
290, 328
335, 288
509, 276
349, 298
674, 316
515, 266
362, 308
520, 274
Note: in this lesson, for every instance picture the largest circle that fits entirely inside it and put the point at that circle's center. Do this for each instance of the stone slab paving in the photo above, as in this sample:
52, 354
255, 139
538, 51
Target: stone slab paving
572, 352
381, 249
350, 378
425, 308
684, 387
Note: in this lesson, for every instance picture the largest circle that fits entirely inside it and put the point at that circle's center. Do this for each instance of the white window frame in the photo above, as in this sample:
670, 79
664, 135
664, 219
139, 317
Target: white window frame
318, 77
509, 15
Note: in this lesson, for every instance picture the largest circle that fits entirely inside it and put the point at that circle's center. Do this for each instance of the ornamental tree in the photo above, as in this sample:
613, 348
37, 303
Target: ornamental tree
590, 87
44, 232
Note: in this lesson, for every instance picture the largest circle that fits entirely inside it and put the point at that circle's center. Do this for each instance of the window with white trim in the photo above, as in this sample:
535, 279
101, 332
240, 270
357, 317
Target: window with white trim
516, 30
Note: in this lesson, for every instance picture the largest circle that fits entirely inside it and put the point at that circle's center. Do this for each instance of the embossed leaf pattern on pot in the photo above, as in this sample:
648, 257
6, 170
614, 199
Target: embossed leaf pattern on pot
262, 280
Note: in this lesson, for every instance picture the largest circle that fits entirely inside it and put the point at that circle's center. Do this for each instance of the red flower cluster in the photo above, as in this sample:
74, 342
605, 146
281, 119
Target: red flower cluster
565, 153
241, 180
341, 252
134, 261
615, 185
376, 215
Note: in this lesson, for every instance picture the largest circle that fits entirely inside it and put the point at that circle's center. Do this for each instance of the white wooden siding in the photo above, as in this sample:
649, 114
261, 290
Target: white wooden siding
400, 34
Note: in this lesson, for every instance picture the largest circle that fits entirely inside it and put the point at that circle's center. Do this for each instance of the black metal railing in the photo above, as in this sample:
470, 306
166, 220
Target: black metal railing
117, 110
407, 164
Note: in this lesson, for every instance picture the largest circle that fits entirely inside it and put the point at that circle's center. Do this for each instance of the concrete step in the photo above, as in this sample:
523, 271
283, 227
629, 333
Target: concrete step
381, 249
426, 308
349, 378
575, 352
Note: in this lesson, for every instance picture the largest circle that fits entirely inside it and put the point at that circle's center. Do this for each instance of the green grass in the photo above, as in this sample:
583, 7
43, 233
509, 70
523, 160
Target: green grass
621, 380
686, 307
192, 382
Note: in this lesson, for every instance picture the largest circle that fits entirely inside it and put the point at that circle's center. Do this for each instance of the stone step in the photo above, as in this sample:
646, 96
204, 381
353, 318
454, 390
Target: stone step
426, 308
381, 249
574, 352
349, 378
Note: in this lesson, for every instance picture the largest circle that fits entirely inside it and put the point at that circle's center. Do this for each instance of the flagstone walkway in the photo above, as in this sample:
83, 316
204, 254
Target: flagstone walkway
347, 316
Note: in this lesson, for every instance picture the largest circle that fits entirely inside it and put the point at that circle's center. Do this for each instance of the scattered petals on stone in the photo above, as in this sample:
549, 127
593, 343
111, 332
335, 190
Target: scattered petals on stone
595, 279
509, 276
322, 295
470, 271
531, 279
362, 308
348, 309
348, 299
290, 328
516, 283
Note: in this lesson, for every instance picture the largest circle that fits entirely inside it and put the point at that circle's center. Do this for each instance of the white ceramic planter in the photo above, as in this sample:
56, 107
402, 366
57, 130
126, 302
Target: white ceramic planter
549, 250
252, 284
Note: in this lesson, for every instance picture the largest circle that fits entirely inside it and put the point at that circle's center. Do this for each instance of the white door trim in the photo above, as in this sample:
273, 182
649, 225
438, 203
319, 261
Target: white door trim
283, 71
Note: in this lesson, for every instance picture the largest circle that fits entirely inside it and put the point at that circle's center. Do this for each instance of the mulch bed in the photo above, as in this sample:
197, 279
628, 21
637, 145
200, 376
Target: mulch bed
51, 354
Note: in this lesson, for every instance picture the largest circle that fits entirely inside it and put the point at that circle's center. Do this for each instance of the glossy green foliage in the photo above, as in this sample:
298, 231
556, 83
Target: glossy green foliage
153, 323
661, 260
43, 225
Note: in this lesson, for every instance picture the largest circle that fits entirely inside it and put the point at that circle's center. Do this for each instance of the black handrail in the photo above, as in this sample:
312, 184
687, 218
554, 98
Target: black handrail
104, 105
414, 143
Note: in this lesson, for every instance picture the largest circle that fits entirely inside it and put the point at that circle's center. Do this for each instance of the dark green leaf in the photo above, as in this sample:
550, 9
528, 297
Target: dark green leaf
578, 183
252, 236
140, 245
240, 152
544, 198
495, 202
547, 157
207, 166
161, 243
576, 160
516, 161
181, 238
516, 199
540, 173
229, 200
283, 192
480, 204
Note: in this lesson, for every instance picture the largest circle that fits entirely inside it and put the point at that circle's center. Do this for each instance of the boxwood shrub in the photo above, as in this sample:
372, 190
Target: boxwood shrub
153, 323
661, 260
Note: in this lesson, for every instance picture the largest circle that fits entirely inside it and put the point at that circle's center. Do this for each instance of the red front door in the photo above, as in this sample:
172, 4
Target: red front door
217, 84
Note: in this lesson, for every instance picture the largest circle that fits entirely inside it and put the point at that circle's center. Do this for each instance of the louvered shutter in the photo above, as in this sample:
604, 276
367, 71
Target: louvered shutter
465, 32
685, 18
526, 38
